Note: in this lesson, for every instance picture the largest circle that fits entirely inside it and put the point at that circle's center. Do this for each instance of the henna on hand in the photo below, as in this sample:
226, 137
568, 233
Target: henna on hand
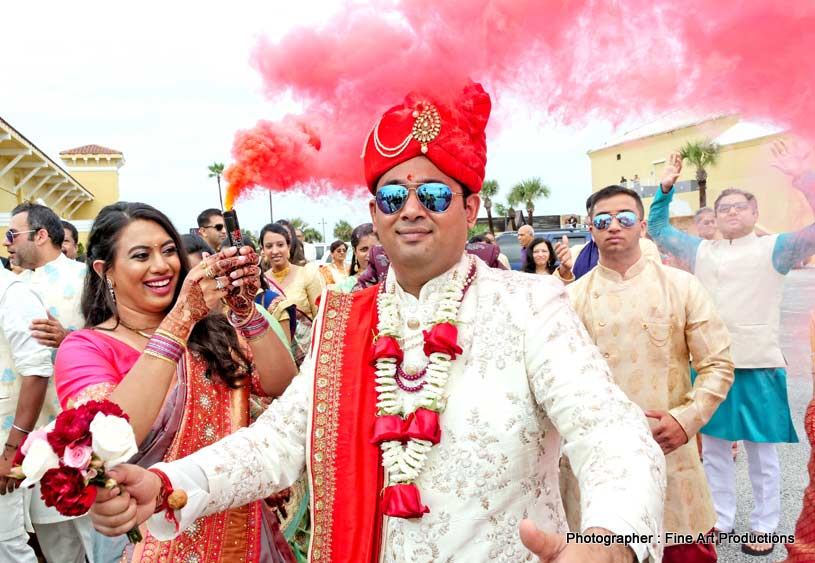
242, 298
190, 308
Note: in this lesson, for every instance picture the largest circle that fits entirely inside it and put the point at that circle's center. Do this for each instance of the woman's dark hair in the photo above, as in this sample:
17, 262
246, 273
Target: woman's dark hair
278, 230
529, 262
480, 237
336, 244
194, 244
359, 233
213, 338
297, 255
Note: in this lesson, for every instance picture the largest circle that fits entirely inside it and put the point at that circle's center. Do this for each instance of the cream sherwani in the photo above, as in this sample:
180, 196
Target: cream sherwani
648, 323
519, 385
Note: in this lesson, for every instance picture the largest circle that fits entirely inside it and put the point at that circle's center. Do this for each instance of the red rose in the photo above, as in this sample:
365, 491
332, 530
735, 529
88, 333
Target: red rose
65, 489
442, 339
105, 407
403, 501
72, 427
423, 424
386, 347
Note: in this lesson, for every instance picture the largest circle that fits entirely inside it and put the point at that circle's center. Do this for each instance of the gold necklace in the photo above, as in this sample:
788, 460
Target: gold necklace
281, 275
146, 335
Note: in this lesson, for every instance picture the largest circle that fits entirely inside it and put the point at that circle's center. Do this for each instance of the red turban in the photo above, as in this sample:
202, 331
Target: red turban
450, 135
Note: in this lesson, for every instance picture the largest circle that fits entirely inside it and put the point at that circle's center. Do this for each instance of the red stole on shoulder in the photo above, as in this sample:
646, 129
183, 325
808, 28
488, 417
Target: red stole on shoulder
345, 469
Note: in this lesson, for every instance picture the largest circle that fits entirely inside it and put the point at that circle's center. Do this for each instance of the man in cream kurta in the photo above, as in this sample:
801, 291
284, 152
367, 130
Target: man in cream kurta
648, 322
744, 274
511, 394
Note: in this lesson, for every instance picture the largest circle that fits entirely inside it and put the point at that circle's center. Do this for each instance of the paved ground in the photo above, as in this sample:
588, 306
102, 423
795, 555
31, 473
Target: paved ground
799, 300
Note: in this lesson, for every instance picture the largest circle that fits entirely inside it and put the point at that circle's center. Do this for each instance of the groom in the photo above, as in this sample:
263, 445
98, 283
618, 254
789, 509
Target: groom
423, 374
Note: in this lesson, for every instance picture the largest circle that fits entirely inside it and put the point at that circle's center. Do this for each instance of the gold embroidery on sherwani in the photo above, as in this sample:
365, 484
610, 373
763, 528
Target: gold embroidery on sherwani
325, 419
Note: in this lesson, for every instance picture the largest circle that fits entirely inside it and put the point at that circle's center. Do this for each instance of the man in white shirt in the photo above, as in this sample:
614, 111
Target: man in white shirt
34, 241
25, 368
480, 405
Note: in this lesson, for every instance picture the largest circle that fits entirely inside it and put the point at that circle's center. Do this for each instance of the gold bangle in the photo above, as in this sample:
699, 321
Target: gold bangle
160, 357
171, 336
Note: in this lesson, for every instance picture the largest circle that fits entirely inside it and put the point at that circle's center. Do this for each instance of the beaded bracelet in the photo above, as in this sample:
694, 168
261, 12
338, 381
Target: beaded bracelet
169, 500
165, 346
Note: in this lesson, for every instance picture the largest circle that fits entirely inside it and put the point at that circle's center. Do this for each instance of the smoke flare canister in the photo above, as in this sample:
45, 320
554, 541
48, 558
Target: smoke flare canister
233, 229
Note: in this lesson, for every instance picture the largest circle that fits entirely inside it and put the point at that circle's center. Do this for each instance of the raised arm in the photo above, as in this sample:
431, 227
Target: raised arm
668, 238
620, 469
791, 248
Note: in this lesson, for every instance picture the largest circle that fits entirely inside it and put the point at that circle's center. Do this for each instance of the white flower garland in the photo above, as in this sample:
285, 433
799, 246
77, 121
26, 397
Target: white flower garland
404, 463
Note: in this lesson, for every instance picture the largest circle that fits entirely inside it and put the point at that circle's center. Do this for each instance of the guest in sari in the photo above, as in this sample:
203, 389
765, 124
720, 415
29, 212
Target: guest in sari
363, 239
183, 373
299, 284
297, 254
335, 272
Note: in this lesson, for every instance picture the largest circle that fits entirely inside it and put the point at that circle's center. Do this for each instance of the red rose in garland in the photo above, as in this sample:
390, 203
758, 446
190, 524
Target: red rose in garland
65, 490
442, 339
386, 347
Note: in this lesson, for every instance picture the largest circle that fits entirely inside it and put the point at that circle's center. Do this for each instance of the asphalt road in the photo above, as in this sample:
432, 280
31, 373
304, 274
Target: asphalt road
799, 300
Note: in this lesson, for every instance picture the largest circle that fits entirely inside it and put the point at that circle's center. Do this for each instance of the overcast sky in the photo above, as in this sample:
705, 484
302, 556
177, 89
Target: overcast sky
169, 83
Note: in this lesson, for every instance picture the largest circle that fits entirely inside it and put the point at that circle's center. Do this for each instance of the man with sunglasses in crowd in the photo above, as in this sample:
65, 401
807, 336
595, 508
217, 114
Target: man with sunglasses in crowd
211, 227
34, 242
423, 373
647, 319
744, 274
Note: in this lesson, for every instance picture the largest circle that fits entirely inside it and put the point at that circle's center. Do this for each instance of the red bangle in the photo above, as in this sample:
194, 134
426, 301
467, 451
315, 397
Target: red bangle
169, 500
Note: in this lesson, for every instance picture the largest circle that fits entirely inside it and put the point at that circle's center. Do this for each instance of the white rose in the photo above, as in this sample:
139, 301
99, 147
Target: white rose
113, 439
39, 459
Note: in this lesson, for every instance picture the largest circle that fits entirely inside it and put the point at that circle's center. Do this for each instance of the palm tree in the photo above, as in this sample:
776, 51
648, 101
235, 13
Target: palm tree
216, 170
488, 191
342, 230
502, 211
527, 191
311, 235
702, 154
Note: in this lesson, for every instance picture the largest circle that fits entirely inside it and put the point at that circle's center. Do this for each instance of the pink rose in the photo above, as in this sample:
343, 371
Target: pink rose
77, 456
41, 434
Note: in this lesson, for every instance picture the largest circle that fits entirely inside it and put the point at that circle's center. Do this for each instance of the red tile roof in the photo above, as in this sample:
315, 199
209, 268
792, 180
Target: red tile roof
90, 149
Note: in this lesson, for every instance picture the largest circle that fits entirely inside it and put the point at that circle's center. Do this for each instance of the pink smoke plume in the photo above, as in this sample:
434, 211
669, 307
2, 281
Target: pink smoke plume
574, 60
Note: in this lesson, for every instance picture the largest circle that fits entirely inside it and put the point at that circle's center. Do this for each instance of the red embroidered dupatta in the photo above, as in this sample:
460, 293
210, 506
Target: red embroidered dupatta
344, 467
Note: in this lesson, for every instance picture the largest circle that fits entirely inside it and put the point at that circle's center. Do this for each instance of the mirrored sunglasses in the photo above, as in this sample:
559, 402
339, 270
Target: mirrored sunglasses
434, 196
627, 219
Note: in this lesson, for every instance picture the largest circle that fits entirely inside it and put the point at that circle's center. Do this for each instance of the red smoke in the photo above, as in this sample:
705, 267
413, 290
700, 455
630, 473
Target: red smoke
575, 60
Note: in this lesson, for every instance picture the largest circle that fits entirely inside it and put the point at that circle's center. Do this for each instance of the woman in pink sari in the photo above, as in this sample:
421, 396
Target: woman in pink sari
182, 373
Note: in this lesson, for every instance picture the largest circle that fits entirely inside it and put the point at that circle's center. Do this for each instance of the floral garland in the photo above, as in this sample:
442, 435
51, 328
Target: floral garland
406, 438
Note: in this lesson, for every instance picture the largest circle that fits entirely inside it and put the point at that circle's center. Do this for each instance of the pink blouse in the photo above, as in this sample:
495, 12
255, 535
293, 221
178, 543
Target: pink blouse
89, 365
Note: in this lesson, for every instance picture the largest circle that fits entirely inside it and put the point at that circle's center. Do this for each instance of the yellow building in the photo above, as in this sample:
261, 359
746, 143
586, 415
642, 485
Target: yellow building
86, 181
744, 162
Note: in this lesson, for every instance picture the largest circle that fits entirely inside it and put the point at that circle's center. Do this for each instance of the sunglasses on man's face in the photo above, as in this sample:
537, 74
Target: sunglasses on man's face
434, 196
626, 219
11, 234
218, 228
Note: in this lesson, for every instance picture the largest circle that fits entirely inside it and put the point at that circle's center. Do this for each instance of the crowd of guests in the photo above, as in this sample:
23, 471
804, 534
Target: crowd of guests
678, 344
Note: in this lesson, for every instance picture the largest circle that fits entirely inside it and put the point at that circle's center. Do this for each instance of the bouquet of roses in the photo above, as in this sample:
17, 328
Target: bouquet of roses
70, 456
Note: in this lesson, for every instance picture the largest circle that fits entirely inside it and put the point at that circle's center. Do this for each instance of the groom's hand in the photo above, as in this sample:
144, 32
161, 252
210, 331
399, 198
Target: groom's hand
131, 502
552, 548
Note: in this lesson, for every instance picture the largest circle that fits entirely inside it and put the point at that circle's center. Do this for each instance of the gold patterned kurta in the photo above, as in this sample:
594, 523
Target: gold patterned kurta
648, 324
